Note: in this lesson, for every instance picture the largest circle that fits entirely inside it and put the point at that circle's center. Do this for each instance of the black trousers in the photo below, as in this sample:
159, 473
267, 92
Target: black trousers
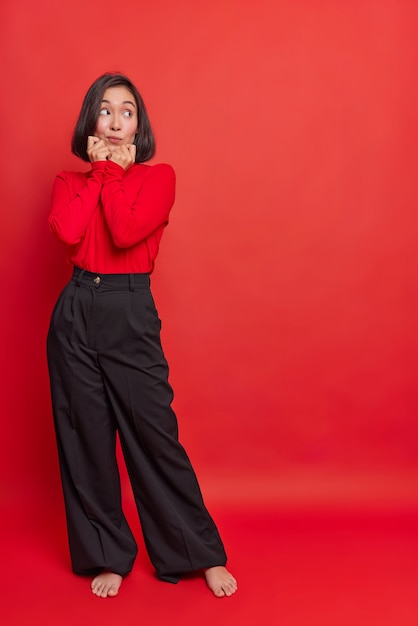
108, 375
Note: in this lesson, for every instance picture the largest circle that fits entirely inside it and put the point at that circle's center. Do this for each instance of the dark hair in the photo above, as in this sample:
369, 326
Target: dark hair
87, 120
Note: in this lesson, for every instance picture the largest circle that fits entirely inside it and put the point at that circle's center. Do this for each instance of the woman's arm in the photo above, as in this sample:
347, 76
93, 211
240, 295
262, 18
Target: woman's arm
131, 221
71, 214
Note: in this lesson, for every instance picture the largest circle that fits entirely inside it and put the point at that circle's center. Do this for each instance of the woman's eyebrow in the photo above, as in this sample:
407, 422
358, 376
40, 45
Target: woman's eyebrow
124, 102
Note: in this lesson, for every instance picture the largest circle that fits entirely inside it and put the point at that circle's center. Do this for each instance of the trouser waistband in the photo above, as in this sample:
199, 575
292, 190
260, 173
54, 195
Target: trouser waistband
111, 281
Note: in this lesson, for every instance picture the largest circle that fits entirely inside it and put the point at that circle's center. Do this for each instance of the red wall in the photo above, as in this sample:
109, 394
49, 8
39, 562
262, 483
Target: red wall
287, 277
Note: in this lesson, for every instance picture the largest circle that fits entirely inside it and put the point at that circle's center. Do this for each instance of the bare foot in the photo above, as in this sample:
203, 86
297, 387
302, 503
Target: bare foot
220, 581
106, 585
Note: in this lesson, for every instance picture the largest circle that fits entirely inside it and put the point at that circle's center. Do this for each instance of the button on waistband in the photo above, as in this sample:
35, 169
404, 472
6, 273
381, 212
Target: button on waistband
97, 280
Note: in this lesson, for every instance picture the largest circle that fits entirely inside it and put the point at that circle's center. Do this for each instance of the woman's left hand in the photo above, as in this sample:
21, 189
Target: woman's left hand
123, 155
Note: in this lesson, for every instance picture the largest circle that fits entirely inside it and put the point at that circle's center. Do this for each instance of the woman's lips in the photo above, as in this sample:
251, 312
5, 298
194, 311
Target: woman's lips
115, 140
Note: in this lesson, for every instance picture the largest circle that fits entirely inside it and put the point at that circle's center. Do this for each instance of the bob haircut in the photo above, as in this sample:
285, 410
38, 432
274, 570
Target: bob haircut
87, 120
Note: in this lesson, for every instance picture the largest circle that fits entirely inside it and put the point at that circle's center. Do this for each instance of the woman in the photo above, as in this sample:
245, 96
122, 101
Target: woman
107, 369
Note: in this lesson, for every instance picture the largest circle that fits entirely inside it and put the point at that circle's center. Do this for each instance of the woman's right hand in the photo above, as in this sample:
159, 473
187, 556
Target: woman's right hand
97, 149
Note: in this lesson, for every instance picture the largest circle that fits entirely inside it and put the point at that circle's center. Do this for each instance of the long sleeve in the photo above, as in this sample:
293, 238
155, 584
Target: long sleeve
134, 207
71, 213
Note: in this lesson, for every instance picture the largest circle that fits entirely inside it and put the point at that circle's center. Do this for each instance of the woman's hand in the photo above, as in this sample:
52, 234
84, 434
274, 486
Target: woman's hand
123, 155
97, 149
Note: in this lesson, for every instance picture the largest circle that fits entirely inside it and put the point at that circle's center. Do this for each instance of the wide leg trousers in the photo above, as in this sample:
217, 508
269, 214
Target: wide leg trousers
109, 375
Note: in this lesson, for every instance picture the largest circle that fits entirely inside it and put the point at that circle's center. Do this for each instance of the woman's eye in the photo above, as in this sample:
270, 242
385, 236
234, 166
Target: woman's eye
104, 112
127, 113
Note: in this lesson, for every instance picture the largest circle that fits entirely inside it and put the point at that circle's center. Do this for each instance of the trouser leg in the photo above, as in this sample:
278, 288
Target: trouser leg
179, 533
99, 536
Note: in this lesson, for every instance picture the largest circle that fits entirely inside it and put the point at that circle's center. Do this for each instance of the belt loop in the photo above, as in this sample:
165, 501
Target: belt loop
131, 282
79, 277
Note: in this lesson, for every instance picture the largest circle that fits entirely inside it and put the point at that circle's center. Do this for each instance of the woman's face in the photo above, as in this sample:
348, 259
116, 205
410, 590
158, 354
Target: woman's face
118, 118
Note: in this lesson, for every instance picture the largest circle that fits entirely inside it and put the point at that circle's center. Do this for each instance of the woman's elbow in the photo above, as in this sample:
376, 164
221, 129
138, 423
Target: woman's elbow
66, 236
123, 240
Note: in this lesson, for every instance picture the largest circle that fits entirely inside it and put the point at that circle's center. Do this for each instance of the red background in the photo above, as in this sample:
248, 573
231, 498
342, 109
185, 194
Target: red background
287, 279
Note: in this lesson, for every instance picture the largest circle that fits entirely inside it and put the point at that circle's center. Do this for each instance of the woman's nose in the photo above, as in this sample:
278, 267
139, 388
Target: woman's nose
115, 125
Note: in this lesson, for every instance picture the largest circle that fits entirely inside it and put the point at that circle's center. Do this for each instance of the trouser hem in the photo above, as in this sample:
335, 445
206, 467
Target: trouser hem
175, 577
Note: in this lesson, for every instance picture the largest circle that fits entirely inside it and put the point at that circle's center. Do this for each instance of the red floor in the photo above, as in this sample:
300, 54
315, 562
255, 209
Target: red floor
300, 568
